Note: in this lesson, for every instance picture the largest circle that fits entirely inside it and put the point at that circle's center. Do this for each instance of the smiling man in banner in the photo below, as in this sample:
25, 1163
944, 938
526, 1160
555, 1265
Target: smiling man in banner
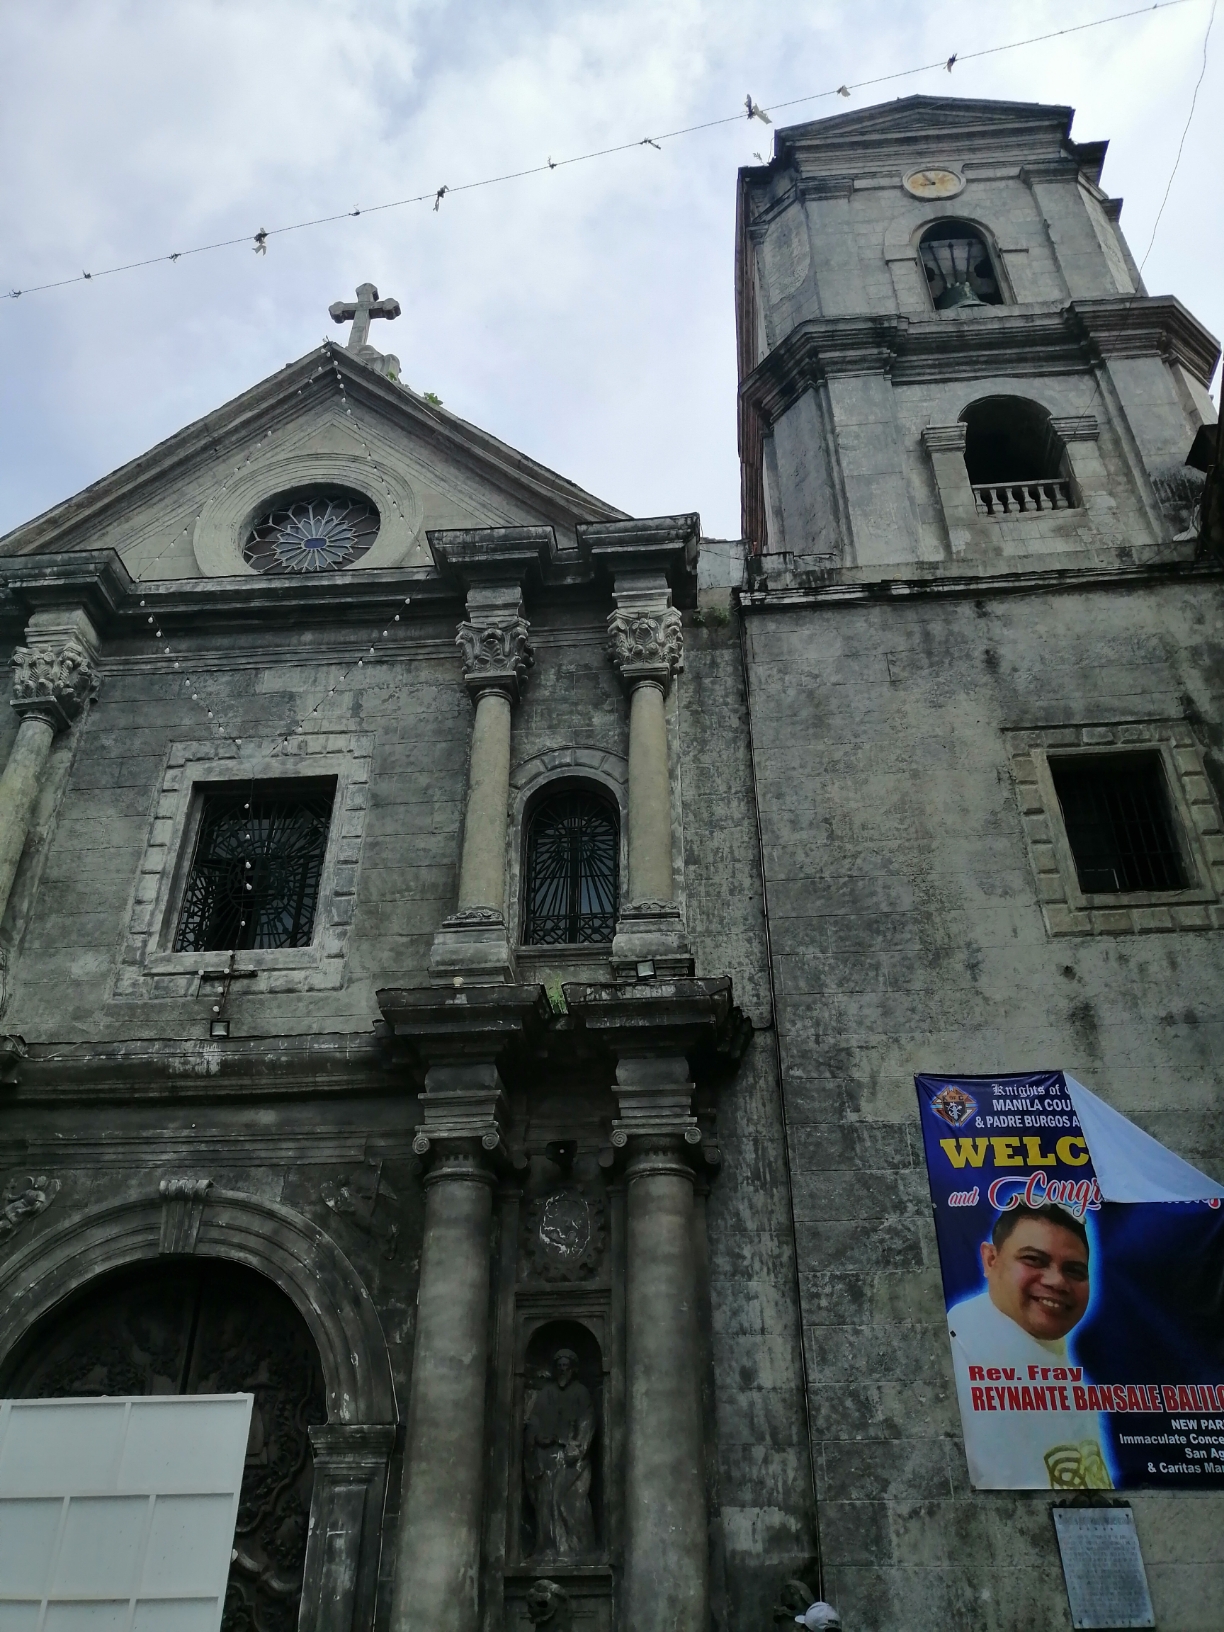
1014, 1377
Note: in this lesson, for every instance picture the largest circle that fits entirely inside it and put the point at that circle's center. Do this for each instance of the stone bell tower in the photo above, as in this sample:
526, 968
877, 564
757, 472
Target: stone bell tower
975, 609
948, 361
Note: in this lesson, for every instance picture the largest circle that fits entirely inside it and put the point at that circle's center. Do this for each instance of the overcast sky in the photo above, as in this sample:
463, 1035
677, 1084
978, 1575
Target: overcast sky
585, 315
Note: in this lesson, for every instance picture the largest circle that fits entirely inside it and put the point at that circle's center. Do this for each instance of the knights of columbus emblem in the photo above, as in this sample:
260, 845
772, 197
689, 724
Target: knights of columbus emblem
954, 1105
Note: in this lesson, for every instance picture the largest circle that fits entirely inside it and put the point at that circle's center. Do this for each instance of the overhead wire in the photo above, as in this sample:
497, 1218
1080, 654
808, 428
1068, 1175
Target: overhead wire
285, 737
434, 195
1137, 291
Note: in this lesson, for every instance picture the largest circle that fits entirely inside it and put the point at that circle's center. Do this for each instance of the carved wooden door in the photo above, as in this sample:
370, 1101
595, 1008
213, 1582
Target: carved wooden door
183, 1327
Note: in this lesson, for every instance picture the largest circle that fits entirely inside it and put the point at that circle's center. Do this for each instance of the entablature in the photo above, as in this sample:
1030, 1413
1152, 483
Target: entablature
990, 342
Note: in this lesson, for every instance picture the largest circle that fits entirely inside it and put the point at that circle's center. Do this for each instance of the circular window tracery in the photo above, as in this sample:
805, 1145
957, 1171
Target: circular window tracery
312, 532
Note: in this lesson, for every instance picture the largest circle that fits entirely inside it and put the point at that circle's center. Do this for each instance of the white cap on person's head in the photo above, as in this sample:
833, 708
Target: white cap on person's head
819, 1618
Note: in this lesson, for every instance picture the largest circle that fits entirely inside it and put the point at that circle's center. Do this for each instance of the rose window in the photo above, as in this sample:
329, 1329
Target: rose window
319, 532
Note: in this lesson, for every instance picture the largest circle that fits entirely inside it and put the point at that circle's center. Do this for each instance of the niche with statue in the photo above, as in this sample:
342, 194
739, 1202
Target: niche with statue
562, 1450
555, 1516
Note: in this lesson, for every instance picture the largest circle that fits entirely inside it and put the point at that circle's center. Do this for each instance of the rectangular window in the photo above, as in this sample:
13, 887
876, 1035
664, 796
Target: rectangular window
1116, 812
256, 868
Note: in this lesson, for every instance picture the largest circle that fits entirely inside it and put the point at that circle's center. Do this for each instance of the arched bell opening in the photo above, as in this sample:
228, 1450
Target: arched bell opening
960, 268
1015, 459
192, 1326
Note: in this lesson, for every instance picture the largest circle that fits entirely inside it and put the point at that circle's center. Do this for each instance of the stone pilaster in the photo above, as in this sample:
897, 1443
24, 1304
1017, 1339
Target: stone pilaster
53, 678
945, 444
473, 944
646, 644
1079, 435
346, 1506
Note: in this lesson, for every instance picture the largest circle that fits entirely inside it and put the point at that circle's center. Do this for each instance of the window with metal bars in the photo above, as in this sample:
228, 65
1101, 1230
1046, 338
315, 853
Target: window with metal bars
572, 870
255, 872
1116, 812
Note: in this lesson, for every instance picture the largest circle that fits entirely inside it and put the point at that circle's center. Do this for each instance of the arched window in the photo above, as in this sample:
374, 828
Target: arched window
1015, 459
572, 870
958, 265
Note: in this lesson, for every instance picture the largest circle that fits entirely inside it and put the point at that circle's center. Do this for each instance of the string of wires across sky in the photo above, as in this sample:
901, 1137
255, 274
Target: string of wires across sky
750, 109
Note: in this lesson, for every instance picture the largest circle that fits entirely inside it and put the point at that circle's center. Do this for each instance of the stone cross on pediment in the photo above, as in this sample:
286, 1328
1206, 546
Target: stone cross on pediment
359, 312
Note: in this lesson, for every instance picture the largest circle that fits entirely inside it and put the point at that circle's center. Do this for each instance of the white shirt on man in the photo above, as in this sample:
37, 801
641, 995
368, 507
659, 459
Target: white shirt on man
1007, 1446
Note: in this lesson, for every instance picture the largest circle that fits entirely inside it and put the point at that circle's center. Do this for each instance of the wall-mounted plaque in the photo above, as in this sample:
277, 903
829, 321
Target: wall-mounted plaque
1103, 1567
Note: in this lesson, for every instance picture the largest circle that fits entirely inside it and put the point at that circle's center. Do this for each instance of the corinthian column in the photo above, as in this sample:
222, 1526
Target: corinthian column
52, 681
473, 944
646, 644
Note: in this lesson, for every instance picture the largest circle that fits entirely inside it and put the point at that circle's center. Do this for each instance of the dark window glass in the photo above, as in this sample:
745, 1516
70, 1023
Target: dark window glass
254, 879
1117, 817
958, 267
573, 866
1010, 440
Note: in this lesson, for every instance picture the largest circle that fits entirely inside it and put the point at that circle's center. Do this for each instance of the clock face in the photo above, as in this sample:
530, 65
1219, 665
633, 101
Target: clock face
933, 182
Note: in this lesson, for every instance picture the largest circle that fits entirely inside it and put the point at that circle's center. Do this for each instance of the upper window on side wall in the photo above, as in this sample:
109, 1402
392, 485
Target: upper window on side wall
572, 871
1116, 813
256, 866
960, 270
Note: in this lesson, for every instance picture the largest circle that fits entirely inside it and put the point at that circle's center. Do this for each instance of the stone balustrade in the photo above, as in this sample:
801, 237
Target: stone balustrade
1000, 499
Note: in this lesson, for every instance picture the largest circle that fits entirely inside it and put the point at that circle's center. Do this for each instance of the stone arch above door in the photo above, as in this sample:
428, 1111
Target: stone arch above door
272, 1239
203, 1325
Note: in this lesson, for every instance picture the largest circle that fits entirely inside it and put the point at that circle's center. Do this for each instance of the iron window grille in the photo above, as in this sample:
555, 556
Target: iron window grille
572, 871
1119, 825
312, 532
256, 868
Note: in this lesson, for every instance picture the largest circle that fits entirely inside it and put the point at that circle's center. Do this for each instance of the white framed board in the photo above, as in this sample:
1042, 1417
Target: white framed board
118, 1515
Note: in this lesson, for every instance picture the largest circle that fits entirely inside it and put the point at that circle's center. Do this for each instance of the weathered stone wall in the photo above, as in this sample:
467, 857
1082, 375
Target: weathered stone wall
292, 1131
908, 935
764, 1472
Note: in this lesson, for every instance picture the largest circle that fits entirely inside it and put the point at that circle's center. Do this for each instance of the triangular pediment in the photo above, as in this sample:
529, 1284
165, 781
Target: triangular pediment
919, 128
179, 511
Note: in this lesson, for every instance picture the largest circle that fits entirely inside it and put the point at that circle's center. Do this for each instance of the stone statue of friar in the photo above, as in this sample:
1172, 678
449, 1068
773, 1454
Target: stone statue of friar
557, 1462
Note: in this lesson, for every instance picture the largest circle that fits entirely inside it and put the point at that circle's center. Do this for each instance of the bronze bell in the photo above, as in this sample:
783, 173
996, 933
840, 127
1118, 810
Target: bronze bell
957, 294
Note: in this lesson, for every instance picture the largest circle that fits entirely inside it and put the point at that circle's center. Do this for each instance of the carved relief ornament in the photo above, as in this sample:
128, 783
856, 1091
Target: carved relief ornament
565, 1235
23, 1198
355, 1196
496, 655
646, 645
53, 684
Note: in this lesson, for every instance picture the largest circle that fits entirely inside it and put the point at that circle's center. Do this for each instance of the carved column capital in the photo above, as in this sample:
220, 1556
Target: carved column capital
655, 1100
53, 683
497, 655
463, 1109
646, 644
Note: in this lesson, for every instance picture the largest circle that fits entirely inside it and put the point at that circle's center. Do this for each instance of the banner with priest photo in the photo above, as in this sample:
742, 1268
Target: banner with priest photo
1083, 1274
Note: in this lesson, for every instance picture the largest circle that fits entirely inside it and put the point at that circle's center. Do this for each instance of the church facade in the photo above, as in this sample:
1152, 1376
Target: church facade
466, 951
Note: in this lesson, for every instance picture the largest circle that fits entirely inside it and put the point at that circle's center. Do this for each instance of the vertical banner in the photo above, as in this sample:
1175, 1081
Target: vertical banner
1087, 1335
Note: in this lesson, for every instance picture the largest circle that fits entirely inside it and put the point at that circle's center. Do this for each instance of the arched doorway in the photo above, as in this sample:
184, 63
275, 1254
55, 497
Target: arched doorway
203, 1326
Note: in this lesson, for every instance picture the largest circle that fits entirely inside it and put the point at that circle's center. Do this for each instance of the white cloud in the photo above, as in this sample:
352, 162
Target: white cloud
584, 315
